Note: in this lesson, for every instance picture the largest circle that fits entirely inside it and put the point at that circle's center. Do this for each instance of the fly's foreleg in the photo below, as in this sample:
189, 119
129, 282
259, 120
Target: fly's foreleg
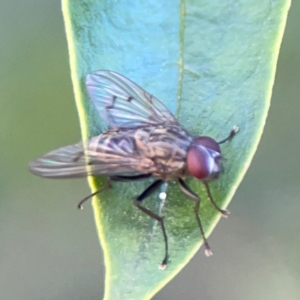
224, 212
155, 185
184, 187
232, 133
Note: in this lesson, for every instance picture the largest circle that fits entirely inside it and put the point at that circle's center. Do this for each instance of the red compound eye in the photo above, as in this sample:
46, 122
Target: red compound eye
208, 142
203, 158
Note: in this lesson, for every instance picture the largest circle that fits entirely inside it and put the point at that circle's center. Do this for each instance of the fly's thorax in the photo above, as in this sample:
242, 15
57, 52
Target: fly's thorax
167, 147
204, 158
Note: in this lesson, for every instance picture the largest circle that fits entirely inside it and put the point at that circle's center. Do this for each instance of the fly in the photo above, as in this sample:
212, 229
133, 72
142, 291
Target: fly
143, 140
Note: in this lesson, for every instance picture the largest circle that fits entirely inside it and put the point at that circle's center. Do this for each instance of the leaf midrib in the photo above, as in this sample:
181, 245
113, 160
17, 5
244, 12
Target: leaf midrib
180, 58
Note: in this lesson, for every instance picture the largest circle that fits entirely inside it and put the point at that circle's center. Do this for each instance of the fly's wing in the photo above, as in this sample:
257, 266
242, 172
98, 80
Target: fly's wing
79, 161
122, 103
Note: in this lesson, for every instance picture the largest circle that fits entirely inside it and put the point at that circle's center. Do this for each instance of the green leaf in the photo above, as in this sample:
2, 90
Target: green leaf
213, 64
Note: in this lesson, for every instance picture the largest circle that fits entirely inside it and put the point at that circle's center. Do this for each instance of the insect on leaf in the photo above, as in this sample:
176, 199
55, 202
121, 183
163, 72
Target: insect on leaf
212, 64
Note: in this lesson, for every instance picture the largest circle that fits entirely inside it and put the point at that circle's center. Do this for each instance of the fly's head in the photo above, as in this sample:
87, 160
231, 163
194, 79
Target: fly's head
204, 159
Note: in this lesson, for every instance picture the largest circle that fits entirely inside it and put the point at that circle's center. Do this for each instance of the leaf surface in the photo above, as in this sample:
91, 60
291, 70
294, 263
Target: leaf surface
212, 64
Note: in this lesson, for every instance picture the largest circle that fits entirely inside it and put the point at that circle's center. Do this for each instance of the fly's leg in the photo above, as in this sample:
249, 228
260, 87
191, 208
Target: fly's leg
224, 212
154, 216
129, 178
184, 187
232, 133
137, 203
107, 186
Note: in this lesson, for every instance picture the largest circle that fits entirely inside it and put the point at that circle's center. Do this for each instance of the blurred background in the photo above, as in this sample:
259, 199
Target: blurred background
50, 250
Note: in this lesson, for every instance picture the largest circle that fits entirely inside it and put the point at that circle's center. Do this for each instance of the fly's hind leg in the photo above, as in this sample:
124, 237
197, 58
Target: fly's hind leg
80, 204
108, 185
122, 178
155, 185
185, 188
